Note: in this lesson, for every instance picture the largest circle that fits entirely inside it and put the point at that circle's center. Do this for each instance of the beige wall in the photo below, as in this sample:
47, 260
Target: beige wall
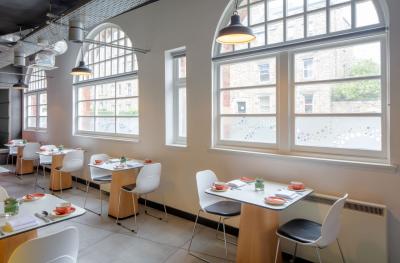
169, 24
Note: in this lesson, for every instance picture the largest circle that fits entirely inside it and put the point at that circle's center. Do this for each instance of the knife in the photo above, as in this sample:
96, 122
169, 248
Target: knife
42, 217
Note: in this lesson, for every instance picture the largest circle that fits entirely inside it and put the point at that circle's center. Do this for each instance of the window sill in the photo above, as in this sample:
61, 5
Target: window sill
176, 145
37, 131
295, 156
108, 138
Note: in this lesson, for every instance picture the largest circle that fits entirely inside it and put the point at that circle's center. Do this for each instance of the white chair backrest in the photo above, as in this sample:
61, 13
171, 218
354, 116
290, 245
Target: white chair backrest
94, 171
16, 141
148, 179
73, 161
44, 159
30, 151
205, 179
13, 149
61, 247
3, 194
331, 225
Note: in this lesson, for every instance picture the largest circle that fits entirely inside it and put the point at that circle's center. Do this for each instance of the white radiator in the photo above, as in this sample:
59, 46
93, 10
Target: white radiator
363, 236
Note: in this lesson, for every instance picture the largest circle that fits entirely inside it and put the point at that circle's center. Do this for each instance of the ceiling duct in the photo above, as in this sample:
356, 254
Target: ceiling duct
76, 32
19, 58
44, 60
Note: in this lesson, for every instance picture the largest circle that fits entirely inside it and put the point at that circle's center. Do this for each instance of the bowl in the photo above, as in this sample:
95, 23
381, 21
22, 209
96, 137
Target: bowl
219, 185
98, 161
296, 185
63, 208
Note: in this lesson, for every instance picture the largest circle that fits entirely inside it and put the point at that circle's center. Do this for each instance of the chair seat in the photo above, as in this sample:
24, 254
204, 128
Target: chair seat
129, 187
301, 230
224, 208
104, 178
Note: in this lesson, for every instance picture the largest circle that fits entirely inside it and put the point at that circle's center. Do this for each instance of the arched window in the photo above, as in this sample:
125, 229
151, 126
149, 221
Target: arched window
35, 100
107, 102
313, 82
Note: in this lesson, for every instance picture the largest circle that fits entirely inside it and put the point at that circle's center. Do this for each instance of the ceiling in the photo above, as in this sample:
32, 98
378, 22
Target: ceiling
30, 13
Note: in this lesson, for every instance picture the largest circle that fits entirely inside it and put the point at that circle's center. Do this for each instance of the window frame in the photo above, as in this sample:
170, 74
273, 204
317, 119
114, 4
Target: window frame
178, 84
42, 89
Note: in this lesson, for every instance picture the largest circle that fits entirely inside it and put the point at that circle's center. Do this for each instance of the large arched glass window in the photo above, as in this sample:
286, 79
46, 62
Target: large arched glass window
35, 100
107, 102
313, 82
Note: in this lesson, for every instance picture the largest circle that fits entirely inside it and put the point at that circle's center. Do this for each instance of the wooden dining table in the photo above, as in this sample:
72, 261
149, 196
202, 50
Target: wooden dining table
9, 241
57, 161
123, 175
258, 221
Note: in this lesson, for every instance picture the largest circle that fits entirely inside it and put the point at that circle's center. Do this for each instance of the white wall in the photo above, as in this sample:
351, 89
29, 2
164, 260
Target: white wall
169, 24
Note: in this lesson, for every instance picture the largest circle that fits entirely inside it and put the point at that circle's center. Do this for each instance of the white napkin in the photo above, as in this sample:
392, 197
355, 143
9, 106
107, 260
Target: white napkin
286, 194
236, 183
22, 222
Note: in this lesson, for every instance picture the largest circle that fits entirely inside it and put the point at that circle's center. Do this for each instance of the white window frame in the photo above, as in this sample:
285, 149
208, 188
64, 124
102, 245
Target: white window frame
113, 78
308, 71
179, 83
42, 89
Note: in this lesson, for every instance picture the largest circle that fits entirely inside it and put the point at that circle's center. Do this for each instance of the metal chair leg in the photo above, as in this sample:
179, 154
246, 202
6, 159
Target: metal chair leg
340, 249
149, 214
194, 230
226, 248
101, 200
86, 195
134, 208
277, 250
135, 212
295, 252
219, 222
318, 254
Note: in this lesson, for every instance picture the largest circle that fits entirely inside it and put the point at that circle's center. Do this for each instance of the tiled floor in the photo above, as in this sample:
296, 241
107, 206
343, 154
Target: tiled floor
101, 240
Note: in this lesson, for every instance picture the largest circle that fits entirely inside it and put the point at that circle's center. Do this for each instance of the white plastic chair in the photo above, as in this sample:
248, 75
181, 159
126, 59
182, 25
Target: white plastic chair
13, 150
147, 181
213, 205
98, 176
45, 162
72, 162
3, 194
60, 247
309, 233
29, 153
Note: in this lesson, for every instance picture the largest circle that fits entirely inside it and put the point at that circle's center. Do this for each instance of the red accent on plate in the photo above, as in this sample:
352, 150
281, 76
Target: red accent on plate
71, 210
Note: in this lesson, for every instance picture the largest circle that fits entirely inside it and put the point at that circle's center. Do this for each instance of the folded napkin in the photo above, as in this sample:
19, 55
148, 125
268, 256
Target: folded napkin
286, 194
21, 222
236, 183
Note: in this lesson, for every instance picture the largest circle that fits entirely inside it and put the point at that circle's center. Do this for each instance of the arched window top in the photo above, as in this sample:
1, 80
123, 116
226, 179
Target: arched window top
37, 80
106, 61
281, 22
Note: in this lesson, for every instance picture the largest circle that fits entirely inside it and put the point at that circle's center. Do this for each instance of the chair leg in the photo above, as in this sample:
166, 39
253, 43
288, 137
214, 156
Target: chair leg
318, 254
295, 252
194, 230
119, 203
59, 178
86, 195
134, 212
340, 249
101, 200
149, 214
277, 250
226, 248
219, 222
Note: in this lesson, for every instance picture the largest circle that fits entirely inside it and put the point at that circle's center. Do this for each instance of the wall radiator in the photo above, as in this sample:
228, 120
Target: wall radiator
363, 235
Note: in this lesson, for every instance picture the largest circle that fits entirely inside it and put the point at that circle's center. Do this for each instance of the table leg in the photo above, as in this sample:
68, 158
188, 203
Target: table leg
9, 244
119, 179
257, 239
66, 179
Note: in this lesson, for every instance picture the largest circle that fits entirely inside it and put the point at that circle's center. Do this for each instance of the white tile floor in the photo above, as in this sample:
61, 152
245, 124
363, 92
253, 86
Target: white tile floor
101, 240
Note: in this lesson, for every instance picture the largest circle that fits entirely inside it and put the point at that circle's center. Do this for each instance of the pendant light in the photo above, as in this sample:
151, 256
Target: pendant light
20, 85
235, 32
81, 69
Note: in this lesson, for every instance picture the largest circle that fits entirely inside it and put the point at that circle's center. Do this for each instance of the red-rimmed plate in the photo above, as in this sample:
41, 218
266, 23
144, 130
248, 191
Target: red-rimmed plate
274, 200
33, 197
290, 187
247, 179
226, 188
56, 214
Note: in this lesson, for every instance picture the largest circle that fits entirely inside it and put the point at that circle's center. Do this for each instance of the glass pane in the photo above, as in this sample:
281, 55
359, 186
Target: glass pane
105, 91
366, 14
86, 93
315, 4
128, 125
31, 122
86, 108
226, 48
274, 9
340, 18
242, 2
248, 101
32, 100
43, 98
31, 110
105, 125
316, 23
182, 67
294, 7
362, 133
259, 32
240, 46
243, 16
244, 74
294, 28
127, 88
248, 129
85, 124
121, 65
344, 97
334, 2
342, 62
275, 32
127, 107
182, 113
257, 13
43, 110
43, 122
105, 108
